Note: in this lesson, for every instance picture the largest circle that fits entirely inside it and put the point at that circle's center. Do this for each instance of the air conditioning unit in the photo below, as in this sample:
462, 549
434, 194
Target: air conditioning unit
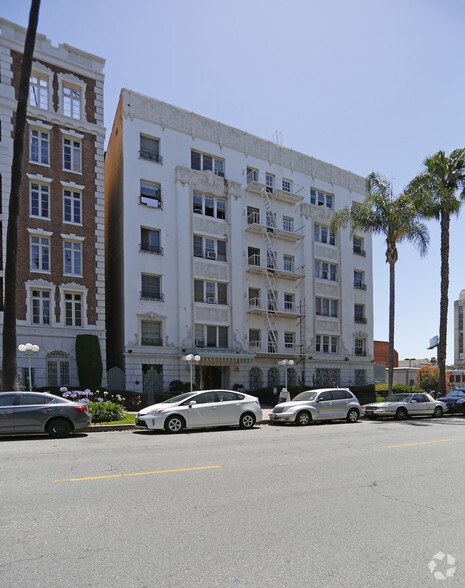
211, 299
210, 254
200, 342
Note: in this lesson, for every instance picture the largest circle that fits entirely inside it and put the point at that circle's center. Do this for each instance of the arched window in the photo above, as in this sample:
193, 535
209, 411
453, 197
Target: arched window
274, 377
291, 377
255, 378
57, 369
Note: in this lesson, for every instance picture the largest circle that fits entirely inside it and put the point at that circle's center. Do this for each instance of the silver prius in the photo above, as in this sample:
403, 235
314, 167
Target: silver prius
401, 406
317, 405
209, 408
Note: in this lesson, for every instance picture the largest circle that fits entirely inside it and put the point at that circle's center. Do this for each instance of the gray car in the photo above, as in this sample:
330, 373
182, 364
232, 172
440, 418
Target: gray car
401, 406
41, 412
317, 405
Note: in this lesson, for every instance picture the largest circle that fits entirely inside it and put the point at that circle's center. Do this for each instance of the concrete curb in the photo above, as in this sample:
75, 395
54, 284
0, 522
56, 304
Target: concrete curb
105, 428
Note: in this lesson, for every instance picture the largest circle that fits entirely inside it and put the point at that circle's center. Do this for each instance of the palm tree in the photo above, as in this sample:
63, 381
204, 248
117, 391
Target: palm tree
398, 220
438, 193
9, 365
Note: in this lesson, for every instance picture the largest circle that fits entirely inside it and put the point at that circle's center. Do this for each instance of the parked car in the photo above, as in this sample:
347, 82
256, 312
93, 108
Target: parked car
41, 412
208, 408
317, 405
401, 406
455, 400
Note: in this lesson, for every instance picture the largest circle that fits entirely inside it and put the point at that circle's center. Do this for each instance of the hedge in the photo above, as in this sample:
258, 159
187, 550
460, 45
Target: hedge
89, 361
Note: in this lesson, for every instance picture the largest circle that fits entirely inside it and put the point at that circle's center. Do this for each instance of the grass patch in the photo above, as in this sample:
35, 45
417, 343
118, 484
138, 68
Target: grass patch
130, 419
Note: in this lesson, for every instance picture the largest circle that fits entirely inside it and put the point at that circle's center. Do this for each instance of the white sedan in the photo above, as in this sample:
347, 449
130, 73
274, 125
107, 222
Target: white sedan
208, 408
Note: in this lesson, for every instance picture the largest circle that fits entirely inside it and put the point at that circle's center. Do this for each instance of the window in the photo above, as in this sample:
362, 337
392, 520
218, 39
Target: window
287, 185
204, 162
72, 207
40, 200
209, 206
289, 302
211, 336
272, 300
39, 147
288, 224
269, 182
210, 292
321, 199
254, 298
326, 271
38, 91
253, 215
40, 254
360, 347
40, 307
72, 258
271, 219
72, 155
253, 255
273, 342
151, 333
359, 313
322, 234
289, 342
271, 260
151, 287
150, 149
252, 175
57, 369
72, 101
73, 309
209, 248
289, 263
150, 240
326, 344
150, 194
358, 246
359, 280
326, 307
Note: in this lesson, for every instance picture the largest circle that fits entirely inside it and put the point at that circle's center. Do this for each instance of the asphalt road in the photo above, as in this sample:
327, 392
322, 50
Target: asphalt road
366, 504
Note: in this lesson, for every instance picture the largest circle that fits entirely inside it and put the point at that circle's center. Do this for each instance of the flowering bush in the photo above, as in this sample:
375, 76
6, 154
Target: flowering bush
103, 407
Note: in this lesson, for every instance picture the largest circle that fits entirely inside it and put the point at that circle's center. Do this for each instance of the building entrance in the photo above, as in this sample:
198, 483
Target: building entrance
214, 377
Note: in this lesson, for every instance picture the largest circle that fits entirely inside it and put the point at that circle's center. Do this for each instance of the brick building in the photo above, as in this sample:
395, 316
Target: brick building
60, 287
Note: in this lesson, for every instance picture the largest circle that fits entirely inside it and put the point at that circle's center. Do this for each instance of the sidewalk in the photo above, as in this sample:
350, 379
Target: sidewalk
102, 428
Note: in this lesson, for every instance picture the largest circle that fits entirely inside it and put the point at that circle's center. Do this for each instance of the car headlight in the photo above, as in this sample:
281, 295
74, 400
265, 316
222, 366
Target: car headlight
155, 411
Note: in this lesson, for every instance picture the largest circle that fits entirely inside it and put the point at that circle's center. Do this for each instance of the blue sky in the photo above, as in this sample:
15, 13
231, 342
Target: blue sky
363, 84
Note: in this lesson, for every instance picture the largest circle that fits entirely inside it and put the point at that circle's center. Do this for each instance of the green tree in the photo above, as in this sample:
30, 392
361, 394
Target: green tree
438, 193
397, 219
9, 363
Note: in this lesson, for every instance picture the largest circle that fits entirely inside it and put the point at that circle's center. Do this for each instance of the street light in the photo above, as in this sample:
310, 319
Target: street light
29, 350
191, 360
287, 363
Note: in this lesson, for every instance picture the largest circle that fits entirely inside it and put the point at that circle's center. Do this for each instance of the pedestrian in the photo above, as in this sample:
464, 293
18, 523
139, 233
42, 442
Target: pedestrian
335, 385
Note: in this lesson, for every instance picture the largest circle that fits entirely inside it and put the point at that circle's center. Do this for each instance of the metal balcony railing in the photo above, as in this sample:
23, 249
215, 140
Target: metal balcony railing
151, 156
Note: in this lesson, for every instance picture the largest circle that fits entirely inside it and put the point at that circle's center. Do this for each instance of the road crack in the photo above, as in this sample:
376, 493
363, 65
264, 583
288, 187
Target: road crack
374, 486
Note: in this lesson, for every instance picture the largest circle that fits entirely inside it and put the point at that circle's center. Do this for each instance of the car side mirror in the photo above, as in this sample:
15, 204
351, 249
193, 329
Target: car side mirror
192, 403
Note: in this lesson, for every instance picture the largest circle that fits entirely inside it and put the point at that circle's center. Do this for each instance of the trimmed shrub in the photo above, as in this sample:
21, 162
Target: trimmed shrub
89, 361
131, 400
106, 411
364, 394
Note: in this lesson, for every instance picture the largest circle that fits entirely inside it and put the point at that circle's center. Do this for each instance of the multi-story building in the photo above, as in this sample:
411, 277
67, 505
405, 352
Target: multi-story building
459, 357
218, 245
61, 284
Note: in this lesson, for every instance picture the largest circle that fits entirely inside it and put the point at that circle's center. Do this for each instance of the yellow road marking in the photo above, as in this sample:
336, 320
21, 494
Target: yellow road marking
422, 443
139, 474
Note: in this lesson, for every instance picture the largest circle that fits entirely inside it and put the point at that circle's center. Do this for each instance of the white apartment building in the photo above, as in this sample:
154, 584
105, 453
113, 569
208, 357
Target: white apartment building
218, 245
459, 358
61, 274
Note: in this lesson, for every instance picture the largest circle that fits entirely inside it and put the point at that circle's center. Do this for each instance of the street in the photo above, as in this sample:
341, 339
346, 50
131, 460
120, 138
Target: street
376, 503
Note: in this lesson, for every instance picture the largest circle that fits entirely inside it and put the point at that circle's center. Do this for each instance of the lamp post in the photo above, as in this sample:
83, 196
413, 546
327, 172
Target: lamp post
286, 363
29, 350
191, 360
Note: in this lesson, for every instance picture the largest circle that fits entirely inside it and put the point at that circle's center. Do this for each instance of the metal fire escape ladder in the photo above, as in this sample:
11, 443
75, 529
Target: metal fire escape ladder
271, 266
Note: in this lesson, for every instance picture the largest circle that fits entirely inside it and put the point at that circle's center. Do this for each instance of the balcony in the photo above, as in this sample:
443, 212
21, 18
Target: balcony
151, 249
360, 319
258, 306
149, 294
151, 201
256, 182
360, 352
287, 270
151, 156
156, 342
359, 285
359, 251
258, 347
288, 233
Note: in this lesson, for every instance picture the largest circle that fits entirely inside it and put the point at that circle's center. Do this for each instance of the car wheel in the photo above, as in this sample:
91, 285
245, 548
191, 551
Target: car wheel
438, 412
174, 424
247, 421
401, 414
352, 415
59, 428
303, 418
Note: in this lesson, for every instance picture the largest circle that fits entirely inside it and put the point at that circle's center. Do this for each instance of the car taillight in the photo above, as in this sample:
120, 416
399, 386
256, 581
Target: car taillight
83, 408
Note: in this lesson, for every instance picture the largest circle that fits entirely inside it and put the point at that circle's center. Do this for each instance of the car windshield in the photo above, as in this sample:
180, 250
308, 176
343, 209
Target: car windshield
456, 394
178, 398
397, 398
308, 395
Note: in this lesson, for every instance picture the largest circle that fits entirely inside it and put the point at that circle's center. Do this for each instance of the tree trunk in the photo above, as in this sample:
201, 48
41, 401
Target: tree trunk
444, 305
9, 366
392, 303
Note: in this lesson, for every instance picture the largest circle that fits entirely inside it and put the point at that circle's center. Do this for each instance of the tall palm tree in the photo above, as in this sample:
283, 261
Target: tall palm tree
438, 192
398, 220
9, 363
